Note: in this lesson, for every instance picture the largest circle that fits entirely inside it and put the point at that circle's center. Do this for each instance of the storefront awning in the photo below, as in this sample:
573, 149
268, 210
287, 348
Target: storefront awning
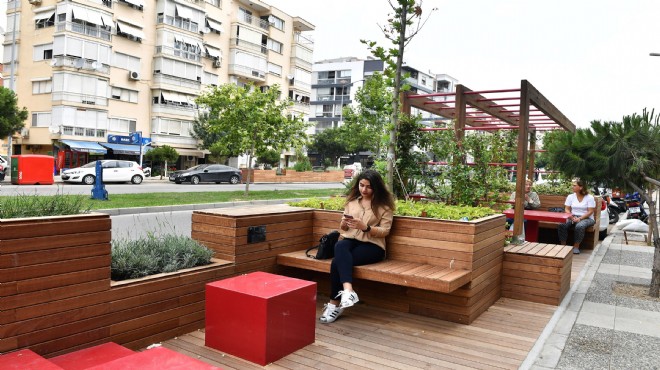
84, 146
125, 148
192, 152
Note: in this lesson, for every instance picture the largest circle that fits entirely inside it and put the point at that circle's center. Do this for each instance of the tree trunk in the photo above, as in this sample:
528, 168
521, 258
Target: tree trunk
654, 289
391, 149
249, 165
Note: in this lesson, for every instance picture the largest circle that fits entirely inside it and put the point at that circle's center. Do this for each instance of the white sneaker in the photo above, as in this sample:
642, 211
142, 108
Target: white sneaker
330, 313
348, 298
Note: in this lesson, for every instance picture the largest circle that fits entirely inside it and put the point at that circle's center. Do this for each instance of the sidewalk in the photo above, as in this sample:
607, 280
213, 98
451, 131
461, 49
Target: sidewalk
595, 328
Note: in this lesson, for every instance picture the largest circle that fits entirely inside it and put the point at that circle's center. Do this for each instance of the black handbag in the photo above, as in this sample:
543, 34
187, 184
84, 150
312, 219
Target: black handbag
325, 248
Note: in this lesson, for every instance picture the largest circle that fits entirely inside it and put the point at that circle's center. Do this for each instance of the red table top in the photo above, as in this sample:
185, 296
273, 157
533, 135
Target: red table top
261, 284
541, 215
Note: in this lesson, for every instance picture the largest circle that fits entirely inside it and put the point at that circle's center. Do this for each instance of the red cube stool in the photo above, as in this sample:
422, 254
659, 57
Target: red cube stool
260, 317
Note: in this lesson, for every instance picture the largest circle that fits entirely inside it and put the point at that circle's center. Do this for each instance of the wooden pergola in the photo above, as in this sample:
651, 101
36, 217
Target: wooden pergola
524, 109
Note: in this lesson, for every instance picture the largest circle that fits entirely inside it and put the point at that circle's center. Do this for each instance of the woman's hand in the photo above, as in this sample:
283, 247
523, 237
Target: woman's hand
354, 223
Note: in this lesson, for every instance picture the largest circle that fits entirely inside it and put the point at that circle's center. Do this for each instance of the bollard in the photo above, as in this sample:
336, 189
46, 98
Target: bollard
98, 190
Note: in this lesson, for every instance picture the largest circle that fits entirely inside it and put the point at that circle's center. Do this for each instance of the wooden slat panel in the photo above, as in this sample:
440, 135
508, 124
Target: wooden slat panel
53, 241
54, 268
62, 225
53, 255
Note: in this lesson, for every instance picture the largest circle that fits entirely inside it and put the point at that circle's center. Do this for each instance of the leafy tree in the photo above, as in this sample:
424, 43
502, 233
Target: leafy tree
12, 117
248, 120
269, 156
163, 155
365, 124
329, 144
202, 131
402, 25
625, 154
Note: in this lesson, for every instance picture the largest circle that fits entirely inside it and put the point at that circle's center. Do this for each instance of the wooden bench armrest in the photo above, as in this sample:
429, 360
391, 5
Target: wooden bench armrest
416, 275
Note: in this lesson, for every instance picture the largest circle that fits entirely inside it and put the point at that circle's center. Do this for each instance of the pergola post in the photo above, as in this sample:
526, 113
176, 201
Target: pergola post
523, 134
461, 116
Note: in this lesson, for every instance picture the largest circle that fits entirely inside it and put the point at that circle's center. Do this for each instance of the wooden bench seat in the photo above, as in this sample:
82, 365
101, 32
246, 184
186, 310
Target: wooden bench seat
408, 274
537, 272
548, 230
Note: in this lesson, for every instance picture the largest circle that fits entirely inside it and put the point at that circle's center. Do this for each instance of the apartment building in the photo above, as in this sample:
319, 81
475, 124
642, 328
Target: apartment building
93, 73
335, 82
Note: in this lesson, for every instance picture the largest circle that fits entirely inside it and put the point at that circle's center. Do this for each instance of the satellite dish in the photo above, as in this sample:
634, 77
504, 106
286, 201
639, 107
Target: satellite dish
54, 129
96, 65
298, 98
79, 63
290, 77
53, 63
271, 19
207, 30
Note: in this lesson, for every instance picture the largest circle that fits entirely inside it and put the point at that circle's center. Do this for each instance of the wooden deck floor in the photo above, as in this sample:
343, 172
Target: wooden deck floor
367, 337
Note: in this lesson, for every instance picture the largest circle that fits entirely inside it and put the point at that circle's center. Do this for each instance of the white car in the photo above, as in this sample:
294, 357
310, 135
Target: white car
113, 171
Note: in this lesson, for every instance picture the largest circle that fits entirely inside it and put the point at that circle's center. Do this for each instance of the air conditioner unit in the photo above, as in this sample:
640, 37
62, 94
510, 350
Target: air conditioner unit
217, 63
25, 132
34, 2
134, 75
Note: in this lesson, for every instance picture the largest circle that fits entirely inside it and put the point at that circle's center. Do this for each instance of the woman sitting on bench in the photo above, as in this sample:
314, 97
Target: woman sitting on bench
367, 220
581, 206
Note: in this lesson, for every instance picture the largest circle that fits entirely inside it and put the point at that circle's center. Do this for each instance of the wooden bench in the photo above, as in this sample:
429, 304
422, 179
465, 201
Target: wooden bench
537, 272
549, 235
408, 274
445, 269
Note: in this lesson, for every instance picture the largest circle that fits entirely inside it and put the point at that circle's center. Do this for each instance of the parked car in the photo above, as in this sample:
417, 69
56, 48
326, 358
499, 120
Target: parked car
113, 171
207, 173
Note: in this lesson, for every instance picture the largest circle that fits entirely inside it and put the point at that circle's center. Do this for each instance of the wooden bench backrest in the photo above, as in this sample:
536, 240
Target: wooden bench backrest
551, 201
416, 240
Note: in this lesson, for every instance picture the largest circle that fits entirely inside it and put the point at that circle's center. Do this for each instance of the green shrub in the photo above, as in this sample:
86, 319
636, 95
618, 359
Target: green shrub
554, 188
153, 255
303, 165
416, 209
33, 205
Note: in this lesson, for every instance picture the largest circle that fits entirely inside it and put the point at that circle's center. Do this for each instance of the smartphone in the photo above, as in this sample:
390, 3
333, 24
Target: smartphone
348, 216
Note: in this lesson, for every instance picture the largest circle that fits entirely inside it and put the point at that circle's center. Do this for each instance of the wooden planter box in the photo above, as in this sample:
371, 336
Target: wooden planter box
56, 295
293, 176
474, 245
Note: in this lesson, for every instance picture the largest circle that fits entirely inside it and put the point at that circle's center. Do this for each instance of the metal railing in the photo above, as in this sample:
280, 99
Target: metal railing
334, 81
168, 50
84, 29
255, 21
247, 71
178, 22
249, 45
75, 62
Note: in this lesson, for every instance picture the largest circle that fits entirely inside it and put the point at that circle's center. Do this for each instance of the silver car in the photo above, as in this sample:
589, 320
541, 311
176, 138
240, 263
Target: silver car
113, 171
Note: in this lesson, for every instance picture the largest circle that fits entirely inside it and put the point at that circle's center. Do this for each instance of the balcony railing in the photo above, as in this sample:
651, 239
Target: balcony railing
168, 50
84, 29
334, 81
160, 78
178, 22
330, 97
182, 110
75, 62
255, 21
79, 98
303, 40
249, 45
247, 71
301, 62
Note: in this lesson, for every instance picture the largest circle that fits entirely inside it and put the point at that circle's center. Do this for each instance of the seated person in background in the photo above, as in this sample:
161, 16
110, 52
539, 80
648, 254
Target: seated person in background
581, 206
532, 200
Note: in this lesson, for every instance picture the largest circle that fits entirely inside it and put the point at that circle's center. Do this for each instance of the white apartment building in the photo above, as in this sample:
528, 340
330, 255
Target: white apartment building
335, 82
91, 72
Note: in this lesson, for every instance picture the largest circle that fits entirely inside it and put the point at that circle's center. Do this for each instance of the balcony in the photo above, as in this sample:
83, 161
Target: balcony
302, 40
253, 21
298, 62
248, 72
73, 97
84, 29
248, 46
178, 22
181, 110
79, 63
161, 79
331, 97
334, 81
188, 55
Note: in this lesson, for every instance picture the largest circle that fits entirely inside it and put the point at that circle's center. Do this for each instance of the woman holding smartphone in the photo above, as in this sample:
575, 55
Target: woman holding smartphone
367, 220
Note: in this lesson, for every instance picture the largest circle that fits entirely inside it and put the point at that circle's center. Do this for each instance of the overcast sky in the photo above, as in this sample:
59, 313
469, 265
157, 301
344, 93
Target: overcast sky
589, 57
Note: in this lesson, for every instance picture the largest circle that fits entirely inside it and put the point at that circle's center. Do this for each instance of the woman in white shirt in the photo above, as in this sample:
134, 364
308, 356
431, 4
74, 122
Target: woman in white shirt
581, 206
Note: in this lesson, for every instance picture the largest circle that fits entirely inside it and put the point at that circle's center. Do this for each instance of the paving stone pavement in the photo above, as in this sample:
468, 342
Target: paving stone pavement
598, 329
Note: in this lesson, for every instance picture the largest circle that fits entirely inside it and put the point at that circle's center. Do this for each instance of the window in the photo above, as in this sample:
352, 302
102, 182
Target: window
124, 94
80, 88
125, 61
165, 126
42, 52
41, 119
275, 22
44, 19
275, 46
274, 69
42, 87
124, 125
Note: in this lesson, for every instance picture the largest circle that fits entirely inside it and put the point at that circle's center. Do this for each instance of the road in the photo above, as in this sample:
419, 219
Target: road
153, 186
